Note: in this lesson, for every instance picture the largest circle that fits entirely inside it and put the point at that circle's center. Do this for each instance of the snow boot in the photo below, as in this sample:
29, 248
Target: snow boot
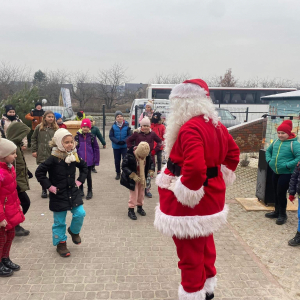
9, 264
44, 194
118, 176
75, 237
282, 216
295, 241
20, 231
141, 211
62, 249
89, 195
272, 215
131, 214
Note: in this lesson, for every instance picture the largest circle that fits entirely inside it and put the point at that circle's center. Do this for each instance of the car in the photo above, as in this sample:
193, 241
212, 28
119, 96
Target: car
67, 113
227, 118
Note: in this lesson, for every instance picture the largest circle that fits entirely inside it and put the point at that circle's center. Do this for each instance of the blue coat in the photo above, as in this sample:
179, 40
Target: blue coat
119, 136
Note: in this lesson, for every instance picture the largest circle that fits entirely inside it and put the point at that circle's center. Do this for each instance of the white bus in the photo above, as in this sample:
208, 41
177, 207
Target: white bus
235, 99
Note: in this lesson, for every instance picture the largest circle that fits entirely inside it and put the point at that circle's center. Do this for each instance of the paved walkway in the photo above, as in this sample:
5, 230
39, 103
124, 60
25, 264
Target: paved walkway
124, 259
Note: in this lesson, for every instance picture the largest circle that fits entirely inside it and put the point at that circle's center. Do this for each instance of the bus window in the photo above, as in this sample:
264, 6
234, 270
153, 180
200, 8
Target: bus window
236, 98
226, 97
161, 93
249, 98
260, 94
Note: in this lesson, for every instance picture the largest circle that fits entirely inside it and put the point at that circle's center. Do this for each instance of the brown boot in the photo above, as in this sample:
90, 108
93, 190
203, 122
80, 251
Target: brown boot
75, 237
62, 249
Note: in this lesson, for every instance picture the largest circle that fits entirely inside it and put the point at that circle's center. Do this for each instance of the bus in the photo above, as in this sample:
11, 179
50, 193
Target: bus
235, 99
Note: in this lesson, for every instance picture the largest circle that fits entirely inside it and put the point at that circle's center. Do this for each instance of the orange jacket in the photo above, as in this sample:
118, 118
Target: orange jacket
36, 120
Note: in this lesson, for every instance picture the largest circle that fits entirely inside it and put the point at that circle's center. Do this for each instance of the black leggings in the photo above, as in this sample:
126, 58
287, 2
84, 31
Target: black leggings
281, 185
88, 179
159, 160
25, 201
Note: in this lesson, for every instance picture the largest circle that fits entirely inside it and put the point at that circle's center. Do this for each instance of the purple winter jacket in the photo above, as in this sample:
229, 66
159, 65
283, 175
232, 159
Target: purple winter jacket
85, 150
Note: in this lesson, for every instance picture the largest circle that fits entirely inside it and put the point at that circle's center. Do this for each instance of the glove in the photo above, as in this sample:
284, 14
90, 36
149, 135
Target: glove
52, 189
151, 173
135, 177
153, 152
172, 185
292, 198
78, 183
121, 143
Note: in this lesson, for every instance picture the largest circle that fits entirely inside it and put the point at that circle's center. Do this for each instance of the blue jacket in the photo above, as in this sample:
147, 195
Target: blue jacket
118, 135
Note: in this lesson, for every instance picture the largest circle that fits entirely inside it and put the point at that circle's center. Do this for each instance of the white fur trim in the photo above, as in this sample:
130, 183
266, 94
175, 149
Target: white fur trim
186, 196
163, 180
187, 90
228, 175
189, 226
183, 295
210, 285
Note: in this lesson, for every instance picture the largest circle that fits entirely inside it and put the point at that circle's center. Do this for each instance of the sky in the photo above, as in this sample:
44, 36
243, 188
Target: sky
257, 38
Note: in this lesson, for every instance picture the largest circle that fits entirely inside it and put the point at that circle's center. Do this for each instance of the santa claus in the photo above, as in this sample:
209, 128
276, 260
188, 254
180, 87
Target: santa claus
202, 159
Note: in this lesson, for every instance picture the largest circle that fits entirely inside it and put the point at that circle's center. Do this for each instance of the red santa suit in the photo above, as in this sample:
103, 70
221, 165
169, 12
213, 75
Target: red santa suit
202, 158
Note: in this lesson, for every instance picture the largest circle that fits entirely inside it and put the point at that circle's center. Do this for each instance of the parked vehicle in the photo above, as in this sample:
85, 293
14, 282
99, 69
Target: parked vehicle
227, 118
67, 113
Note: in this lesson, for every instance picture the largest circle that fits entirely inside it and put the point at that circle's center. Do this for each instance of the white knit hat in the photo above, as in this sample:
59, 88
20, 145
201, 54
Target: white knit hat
142, 150
145, 121
6, 147
150, 103
58, 137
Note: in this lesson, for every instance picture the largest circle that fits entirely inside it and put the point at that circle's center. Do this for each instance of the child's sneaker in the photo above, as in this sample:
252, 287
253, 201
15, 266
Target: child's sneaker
158, 172
62, 249
75, 237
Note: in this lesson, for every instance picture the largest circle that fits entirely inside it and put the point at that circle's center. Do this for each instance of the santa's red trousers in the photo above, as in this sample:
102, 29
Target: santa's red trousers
196, 261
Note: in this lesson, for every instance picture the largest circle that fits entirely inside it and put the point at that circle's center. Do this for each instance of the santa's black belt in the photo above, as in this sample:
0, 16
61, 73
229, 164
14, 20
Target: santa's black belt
176, 170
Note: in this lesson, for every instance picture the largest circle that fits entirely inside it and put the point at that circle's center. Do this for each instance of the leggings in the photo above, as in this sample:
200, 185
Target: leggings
6, 238
25, 201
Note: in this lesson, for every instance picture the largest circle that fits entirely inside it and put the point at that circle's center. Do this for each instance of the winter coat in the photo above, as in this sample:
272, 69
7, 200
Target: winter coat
129, 165
139, 136
96, 132
283, 156
40, 143
160, 131
36, 117
119, 136
9, 201
2, 134
62, 176
62, 125
15, 133
80, 119
294, 186
88, 148
5, 122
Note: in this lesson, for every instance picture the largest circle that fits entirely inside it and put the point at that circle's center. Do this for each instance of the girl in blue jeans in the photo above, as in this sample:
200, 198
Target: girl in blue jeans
64, 188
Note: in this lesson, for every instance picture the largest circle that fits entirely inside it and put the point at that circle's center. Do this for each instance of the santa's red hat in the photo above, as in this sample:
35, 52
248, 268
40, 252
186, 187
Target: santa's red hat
286, 126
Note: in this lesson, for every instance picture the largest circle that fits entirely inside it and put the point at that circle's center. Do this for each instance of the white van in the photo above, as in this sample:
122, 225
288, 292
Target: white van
160, 105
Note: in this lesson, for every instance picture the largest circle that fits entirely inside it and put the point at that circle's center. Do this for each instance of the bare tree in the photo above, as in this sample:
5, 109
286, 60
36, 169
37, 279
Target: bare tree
228, 79
111, 82
269, 83
170, 78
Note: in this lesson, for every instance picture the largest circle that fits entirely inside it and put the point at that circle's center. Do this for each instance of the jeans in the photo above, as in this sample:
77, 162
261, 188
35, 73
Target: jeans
159, 160
118, 153
25, 201
281, 185
59, 226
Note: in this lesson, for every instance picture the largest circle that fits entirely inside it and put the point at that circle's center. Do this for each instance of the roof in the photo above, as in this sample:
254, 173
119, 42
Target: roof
295, 95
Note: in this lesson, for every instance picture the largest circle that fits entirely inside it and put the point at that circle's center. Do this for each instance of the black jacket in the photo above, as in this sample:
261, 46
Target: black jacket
129, 165
62, 176
295, 181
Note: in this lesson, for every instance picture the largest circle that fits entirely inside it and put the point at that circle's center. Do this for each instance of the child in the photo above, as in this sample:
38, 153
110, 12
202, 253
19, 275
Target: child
59, 120
96, 132
40, 139
136, 166
11, 213
148, 111
16, 133
160, 130
36, 115
282, 156
144, 134
88, 149
80, 116
63, 188
118, 134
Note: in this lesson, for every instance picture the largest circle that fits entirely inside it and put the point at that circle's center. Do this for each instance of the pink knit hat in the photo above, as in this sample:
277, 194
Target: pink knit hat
145, 121
87, 123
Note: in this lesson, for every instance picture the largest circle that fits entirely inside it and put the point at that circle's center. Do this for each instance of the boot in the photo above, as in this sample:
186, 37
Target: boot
141, 211
295, 241
272, 215
147, 193
118, 176
94, 170
209, 296
4, 271
20, 231
44, 194
75, 237
282, 216
9, 264
81, 191
131, 214
89, 195
62, 249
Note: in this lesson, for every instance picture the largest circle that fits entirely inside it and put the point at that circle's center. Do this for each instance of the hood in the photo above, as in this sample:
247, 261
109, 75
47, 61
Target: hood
16, 132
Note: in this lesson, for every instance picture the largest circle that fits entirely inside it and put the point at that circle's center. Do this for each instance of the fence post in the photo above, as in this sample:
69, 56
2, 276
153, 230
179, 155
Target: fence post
104, 120
136, 117
247, 111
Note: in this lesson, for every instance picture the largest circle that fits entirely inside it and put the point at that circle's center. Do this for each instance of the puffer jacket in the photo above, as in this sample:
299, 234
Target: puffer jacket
15, 133
119, 135
283, 156
62, 176
9, 201
40, 143
160, 131
294, 186
36, 117
5, 122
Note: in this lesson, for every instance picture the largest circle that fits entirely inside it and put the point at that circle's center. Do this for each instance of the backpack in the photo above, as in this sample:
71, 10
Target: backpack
92, 140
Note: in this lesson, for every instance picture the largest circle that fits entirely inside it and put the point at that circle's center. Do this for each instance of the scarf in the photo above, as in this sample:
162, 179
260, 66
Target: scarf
141, 164
67, 156
120, 124
11, 118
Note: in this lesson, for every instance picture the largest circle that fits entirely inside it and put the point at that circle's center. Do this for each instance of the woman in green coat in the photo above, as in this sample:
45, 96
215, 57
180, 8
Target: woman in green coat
282, 156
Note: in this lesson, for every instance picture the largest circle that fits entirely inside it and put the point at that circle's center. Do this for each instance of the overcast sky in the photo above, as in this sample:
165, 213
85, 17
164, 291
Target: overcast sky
256, 38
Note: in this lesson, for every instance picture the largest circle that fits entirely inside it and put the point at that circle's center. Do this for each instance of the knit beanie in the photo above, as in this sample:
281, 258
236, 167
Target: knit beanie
6, 147
149, 103
90, 118
86, 122
57, 116
142, 150
118, 113
80, 114
286, 126
156, 118
9, 107
38, 103
145, 121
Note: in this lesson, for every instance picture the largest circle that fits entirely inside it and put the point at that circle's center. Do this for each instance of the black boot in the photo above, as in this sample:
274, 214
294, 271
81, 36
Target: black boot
272, 215
44, 194
81, 191
94, 170
4, 271
282, 216
20, 231
89, 195
131, 214
118, 176
9, 264
147, 193
141, 211
209, 296
295, 241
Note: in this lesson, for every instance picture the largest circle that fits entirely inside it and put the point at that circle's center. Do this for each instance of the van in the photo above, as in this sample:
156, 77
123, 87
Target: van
160, 105
67, 113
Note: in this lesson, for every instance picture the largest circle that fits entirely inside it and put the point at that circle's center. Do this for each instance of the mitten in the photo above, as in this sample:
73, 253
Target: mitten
135, 177
52, 189
292, 198
153, 152
78, 183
